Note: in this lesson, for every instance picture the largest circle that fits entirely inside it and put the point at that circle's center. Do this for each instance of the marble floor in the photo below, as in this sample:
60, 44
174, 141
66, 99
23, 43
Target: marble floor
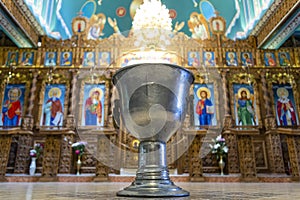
102, 191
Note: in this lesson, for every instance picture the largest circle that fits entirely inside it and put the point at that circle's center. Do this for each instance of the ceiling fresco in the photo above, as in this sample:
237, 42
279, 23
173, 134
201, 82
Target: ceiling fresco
55, 16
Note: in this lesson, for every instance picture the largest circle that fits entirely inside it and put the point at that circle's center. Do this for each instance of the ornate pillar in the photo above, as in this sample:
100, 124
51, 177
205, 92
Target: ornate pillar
273, 142
51, 157
70, 123
195, 161
28, 119
22, 157
182, 152
293, 143
247, 158
226, 97
65, 164
5, 142
231, 139
276, 163
233, 157
269, 118
102, 157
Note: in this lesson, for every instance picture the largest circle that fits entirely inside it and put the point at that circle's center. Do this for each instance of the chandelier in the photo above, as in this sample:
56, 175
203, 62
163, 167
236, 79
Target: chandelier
152, 25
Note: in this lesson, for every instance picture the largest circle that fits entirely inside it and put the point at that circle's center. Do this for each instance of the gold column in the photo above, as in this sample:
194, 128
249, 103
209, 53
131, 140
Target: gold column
28, 119
269, 118
70, 122
226, 93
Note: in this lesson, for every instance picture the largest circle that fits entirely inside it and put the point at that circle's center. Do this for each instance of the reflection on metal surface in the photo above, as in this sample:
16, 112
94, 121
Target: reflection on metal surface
152, 106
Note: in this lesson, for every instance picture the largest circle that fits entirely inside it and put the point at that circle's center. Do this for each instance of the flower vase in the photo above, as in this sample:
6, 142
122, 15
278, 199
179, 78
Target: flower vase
221, 165
78, 165
32, 166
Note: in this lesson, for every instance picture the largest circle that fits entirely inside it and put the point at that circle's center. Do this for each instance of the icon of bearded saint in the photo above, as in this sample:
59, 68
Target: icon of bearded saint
12, 108
286, 112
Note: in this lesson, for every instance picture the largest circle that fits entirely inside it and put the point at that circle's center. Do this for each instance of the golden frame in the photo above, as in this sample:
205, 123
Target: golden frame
27, 91
41, 101
217, 25
81, 99
256, 98
79, 25
216, 102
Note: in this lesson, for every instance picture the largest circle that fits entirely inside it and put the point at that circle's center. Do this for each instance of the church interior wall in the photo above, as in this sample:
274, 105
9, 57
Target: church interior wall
268, 144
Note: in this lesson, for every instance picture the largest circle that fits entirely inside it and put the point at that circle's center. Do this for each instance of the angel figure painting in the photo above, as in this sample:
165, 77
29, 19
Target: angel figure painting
244, 105
96, 26
198, 26
93, 106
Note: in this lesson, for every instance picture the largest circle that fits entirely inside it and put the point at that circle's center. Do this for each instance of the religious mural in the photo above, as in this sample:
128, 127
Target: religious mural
204, 105
209, 59
247, 59
93, 106
12, 105
198, 26
104, 59
193, 59
231, 59
50, 59
286, 112
88, 59
284, 58
27, 59
269, 59
218, 25
12, 59
95, 26
244, 104
66, 58
53, 105
79, 25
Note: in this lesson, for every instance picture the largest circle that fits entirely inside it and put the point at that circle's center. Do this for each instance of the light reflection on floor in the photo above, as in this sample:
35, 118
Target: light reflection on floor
199, 191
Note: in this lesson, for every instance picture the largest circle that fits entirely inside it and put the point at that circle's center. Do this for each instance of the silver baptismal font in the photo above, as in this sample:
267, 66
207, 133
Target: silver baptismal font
152, 106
